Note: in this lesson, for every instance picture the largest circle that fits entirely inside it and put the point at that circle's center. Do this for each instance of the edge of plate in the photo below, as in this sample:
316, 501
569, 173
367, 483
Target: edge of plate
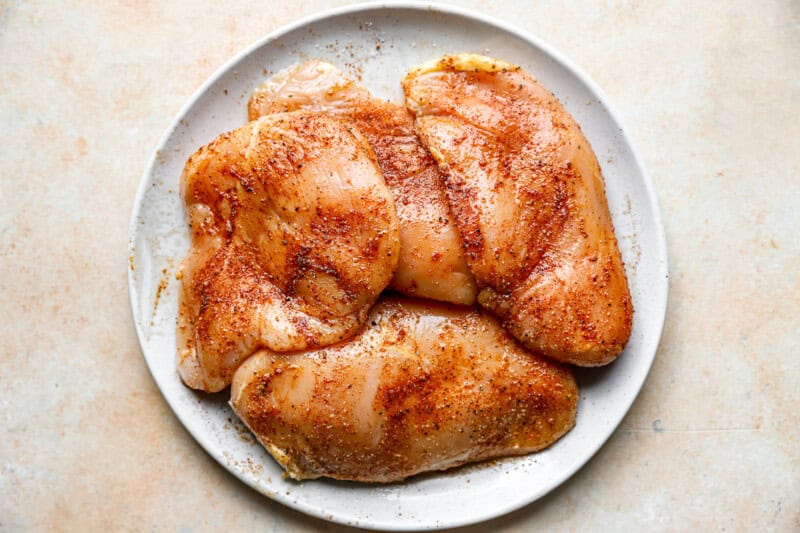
420, 6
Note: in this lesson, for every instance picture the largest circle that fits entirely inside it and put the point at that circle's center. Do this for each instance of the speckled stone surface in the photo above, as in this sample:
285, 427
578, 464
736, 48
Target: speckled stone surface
710, 93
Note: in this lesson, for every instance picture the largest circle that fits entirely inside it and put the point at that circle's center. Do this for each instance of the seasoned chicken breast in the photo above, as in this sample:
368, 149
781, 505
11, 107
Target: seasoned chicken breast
432, 263
294, 234
527, 194
424, 387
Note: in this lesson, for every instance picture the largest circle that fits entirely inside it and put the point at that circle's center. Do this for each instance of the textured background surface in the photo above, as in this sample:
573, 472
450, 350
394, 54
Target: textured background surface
711, 96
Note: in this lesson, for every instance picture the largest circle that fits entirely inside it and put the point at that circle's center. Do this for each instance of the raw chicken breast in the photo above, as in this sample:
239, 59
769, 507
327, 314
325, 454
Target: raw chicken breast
432, 263
527, 194
424, 387
294, 234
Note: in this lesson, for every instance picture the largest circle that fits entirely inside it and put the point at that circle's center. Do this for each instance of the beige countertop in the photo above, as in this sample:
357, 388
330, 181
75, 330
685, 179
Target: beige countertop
710, 93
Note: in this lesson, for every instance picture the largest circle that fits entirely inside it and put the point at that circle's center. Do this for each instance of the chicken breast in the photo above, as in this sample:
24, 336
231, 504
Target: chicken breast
424, 387
294, 234
528, 197
432, 262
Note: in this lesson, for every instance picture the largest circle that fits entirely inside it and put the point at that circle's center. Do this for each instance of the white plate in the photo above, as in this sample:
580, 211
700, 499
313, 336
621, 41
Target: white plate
408, 34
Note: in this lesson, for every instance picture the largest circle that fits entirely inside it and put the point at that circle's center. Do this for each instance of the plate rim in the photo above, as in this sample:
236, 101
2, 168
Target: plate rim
662, 261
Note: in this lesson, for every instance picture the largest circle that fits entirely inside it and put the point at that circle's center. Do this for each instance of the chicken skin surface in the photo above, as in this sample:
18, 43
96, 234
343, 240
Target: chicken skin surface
432, 262
293, 237
526, 191
425, 386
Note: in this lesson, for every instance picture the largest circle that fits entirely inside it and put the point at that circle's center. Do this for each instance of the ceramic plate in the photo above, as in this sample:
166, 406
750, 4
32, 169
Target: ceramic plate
378, 44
